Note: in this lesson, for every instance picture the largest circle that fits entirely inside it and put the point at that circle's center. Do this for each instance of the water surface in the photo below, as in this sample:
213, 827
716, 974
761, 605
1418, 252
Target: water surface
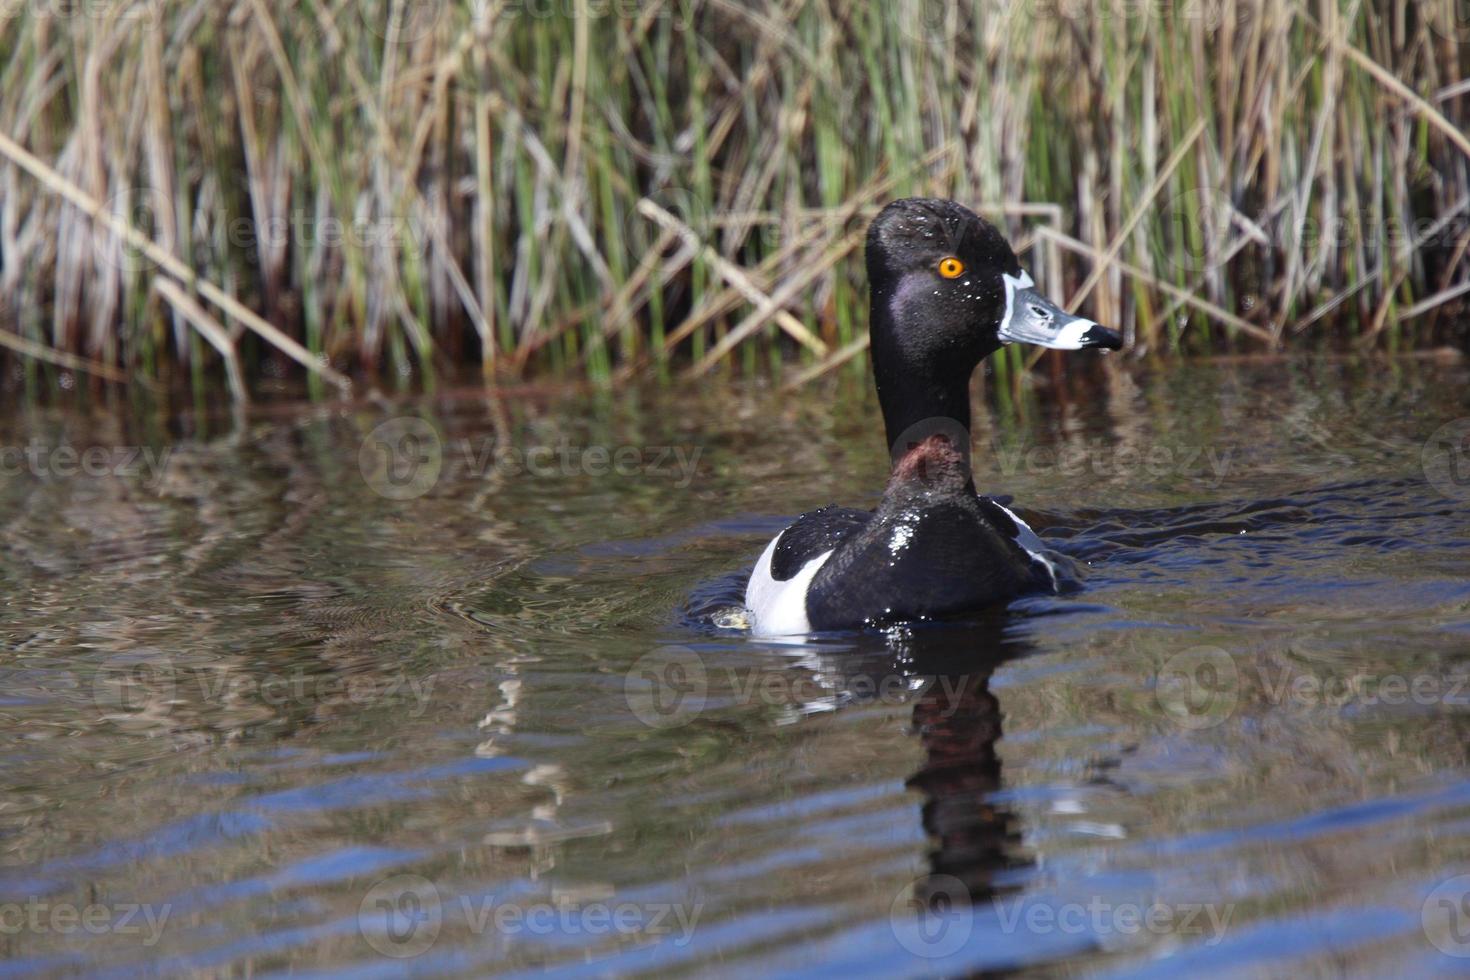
454, 697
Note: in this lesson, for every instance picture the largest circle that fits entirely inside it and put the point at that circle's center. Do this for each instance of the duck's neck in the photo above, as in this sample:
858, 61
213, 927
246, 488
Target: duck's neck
920, 396
914, 404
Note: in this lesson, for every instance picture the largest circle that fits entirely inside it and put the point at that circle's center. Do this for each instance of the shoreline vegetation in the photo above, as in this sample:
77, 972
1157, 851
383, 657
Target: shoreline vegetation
207, 194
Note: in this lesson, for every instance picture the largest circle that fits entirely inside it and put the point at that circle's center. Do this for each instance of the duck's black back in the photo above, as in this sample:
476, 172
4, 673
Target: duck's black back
814, 534
932, 549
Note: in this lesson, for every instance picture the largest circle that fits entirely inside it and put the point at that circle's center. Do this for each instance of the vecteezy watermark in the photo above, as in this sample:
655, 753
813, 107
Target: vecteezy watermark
1296, 688
150, 678
61, 460
673, 685
146, 210
934, 917
1208, 464
403, 915
402, 21
1200, 224
1445, 916
666, 688
40, 916
932, 21
595, 9
925, 432
1102, 917
402, 458
1445, 458
147, 11
406, 21
149, 211
1211, 14
134, 680
1199, 687
1450, 20
1206, 227
405, 458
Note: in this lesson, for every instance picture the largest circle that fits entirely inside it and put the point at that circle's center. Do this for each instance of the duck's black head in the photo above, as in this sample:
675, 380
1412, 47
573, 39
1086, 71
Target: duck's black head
947, 291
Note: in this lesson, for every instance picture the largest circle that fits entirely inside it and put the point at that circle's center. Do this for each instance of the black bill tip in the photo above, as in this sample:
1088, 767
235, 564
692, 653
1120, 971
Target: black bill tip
1100, 336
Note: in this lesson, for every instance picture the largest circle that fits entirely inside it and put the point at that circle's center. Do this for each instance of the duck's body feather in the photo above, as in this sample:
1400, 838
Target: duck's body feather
931, 562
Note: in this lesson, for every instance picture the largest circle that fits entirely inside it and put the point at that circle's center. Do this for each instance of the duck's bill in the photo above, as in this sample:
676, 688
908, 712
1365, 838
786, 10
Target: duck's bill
1031, 318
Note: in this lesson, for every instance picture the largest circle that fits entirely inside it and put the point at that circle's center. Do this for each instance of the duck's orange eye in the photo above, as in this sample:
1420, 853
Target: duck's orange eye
951, 268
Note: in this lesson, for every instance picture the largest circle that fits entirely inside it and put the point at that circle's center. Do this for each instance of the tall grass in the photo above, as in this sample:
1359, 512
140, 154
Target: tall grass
392, 189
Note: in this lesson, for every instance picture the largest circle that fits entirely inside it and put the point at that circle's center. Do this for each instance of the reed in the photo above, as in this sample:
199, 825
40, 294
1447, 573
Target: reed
391, 190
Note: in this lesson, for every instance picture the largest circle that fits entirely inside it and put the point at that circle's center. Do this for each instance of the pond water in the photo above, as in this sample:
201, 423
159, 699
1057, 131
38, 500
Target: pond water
446, 687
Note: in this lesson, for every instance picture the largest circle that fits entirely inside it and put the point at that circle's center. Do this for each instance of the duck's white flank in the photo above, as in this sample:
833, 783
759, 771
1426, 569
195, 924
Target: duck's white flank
779, 608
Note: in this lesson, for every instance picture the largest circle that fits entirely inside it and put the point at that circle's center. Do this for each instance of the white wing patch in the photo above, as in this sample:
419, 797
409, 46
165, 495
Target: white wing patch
1030, 542
779, 608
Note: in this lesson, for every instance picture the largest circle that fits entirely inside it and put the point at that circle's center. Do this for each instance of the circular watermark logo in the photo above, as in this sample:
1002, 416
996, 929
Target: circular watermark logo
1199, 687
932, 917
680, 202
403, 21
1445, 916
1445, 458
142, 209
402, 458
924, 430
931, 21
1197, 223
1450, 20
667, 687
1066, 10
132, 681
401, 916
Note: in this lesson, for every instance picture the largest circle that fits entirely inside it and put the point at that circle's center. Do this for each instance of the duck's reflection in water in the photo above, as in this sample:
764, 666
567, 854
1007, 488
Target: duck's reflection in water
948, 670
975, 839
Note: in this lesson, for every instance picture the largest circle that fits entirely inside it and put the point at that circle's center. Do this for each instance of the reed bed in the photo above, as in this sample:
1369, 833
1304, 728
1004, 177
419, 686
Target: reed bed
216, 192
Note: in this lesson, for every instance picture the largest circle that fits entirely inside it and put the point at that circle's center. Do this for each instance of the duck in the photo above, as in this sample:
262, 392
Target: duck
946, 291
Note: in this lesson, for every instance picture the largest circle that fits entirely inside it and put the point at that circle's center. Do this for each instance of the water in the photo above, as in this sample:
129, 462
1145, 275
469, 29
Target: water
258, 715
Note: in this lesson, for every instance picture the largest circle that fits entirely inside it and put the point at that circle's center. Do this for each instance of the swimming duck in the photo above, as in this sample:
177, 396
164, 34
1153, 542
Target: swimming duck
946, 291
